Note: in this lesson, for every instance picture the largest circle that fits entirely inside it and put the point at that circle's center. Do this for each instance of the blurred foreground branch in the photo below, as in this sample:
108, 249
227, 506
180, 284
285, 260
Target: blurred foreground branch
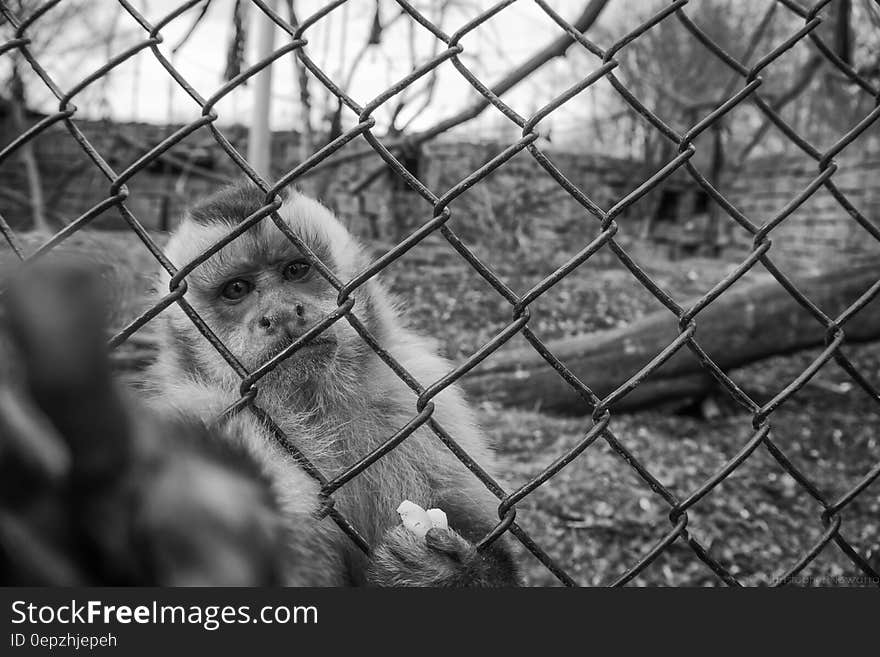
97, 490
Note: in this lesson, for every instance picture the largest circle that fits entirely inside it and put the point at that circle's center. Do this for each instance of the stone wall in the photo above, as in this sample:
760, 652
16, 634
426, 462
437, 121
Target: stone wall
517, 202
820, 234
161, 191
385, 209
72, 183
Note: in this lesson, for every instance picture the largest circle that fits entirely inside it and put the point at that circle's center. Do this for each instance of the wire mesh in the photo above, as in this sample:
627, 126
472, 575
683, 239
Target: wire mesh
117, 196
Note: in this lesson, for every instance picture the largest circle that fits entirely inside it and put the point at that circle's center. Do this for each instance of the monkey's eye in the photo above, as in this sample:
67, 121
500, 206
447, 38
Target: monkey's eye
297, 270
236, 289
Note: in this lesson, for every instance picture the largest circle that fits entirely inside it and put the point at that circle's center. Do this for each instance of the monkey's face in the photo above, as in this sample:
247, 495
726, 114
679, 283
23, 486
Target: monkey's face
259, 294
260, 298
264, 308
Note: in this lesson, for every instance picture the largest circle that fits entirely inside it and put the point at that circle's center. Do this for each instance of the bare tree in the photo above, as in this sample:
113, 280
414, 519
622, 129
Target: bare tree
53, 52
26, 150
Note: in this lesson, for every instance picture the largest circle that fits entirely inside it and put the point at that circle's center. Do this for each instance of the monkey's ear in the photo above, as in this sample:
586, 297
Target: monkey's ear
285, 193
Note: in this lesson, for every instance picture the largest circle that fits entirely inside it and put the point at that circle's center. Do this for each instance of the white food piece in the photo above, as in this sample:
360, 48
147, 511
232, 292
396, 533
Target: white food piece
438, 518
414, 518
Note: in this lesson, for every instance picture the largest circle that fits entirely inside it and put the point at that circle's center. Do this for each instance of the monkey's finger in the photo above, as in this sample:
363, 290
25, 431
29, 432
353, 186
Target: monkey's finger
54, 313
403, 548
449, 543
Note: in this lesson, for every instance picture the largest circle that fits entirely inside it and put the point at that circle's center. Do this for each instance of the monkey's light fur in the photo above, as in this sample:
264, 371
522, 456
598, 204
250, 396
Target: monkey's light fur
337, 402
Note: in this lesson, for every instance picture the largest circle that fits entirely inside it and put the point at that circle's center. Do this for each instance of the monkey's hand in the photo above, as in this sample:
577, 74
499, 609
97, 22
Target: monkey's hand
441, 559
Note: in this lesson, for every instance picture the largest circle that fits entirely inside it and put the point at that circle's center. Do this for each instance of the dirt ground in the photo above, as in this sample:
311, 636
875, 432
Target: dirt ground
596, 517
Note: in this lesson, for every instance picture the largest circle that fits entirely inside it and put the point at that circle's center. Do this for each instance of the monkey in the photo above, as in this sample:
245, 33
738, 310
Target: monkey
160, 500
334, 397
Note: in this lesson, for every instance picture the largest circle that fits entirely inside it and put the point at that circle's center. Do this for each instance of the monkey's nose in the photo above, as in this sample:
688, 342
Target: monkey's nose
288, 323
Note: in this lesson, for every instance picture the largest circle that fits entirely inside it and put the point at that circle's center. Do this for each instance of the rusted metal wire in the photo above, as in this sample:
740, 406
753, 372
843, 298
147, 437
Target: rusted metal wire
439, 202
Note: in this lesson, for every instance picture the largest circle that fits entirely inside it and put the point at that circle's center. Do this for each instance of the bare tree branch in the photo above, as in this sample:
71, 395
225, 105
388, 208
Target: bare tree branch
555, 48
802, 81
28, 157
193, 26
307, 138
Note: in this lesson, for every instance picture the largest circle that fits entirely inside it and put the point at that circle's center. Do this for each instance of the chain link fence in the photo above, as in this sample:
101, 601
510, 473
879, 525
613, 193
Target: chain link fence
437, 202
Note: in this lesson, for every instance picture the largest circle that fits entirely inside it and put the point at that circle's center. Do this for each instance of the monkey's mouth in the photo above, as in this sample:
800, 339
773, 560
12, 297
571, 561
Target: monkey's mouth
316, 347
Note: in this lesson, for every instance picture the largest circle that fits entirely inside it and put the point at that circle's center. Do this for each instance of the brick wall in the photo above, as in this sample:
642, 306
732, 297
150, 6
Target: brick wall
519, 201
820, 234
72, 184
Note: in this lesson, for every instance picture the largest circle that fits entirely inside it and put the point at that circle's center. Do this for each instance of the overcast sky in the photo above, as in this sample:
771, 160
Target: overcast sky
141, 90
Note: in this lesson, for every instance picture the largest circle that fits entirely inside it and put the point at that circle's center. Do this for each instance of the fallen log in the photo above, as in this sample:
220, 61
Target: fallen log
749, 322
